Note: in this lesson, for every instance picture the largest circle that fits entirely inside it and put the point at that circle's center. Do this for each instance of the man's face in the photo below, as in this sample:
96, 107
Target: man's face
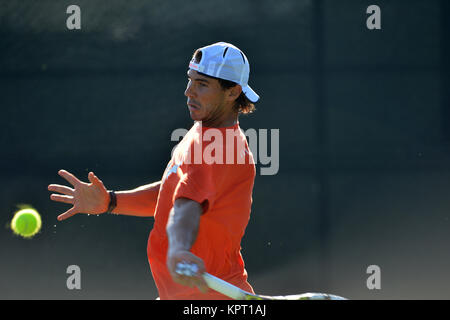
205, 97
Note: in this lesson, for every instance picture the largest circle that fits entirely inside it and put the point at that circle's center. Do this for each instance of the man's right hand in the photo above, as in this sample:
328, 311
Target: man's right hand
90, 198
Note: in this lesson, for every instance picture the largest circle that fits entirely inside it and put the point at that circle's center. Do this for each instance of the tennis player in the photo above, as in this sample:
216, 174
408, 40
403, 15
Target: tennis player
202, 204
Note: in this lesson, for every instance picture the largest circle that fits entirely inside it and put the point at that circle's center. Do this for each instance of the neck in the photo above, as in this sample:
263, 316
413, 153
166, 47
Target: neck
227, 121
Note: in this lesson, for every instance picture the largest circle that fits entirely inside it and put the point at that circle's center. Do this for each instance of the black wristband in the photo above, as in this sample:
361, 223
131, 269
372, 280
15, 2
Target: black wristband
112, 201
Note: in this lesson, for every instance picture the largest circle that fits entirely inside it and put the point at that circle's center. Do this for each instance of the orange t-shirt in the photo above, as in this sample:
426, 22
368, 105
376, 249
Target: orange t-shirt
214, 167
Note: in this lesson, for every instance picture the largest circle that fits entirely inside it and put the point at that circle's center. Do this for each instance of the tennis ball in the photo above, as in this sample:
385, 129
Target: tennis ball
26, 222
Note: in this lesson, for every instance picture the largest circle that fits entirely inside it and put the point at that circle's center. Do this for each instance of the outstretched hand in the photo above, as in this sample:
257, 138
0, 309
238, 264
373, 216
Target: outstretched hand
90, 198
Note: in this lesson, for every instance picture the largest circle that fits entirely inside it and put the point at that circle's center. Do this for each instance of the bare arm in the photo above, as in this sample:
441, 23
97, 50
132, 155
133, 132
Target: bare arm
182, 229
139, 202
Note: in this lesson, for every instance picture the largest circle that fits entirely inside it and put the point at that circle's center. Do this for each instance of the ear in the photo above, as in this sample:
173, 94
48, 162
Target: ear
234, 92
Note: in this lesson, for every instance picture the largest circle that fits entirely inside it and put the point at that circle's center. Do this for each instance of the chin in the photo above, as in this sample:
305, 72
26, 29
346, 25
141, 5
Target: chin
195, 115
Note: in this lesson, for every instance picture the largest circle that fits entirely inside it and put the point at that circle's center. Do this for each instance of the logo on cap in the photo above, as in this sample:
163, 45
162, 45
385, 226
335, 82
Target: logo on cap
225, 61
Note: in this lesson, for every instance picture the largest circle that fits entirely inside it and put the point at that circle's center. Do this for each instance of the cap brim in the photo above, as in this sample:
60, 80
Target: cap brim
250, 94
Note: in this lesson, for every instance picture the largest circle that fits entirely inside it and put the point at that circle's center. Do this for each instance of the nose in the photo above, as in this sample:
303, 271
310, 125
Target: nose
189, 92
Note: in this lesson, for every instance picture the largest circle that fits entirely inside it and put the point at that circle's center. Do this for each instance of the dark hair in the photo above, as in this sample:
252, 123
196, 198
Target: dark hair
242, 104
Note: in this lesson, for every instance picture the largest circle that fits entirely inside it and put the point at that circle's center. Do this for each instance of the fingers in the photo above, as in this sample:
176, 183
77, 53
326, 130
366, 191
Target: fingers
95, 180
69, 177
197, 281
179, 267
61, 189
200, 283
192, 280
67, 214
61, 198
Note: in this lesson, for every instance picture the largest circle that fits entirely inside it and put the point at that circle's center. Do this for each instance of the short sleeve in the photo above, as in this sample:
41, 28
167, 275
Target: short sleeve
197, 183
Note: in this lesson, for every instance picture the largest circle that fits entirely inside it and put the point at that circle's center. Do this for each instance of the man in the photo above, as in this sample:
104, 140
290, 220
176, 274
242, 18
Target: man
202, 204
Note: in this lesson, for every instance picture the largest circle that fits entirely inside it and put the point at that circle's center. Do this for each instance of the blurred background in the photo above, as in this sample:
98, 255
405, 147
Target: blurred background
364, 120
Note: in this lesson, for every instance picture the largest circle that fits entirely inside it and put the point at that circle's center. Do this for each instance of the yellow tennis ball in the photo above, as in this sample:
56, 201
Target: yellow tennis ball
26, 222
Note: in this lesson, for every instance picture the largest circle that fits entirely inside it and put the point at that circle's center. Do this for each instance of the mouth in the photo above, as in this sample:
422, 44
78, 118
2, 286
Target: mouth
193, 107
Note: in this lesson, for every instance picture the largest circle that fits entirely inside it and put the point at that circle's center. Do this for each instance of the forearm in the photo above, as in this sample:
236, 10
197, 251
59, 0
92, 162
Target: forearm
139, 202
182, 226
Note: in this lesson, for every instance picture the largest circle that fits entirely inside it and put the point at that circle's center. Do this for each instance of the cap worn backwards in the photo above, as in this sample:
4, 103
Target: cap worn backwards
225, 61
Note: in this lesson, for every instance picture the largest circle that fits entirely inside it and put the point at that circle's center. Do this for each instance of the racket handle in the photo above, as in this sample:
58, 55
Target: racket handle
213, 282
224, 287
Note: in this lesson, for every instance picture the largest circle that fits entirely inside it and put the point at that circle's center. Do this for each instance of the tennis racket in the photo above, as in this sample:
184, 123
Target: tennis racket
236, 293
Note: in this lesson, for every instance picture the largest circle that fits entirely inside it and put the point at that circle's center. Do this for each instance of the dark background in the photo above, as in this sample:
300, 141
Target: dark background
364, 139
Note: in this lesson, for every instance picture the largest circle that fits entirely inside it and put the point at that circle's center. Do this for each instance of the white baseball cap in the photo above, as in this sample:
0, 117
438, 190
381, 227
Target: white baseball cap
225, 61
